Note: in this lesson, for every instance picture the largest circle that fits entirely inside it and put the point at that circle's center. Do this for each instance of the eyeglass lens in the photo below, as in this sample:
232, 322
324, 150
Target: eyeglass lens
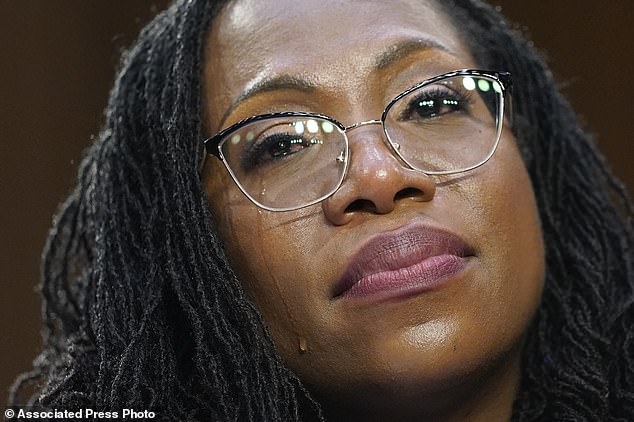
288, 162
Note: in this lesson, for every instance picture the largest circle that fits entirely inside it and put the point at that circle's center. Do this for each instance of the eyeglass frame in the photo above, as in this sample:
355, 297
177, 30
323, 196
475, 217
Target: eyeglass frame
213, 144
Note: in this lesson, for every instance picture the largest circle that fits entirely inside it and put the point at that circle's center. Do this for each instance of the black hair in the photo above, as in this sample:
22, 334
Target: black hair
142, 310
578, 362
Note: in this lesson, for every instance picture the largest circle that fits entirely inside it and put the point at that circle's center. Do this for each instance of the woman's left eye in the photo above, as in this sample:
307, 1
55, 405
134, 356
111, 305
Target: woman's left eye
431, 104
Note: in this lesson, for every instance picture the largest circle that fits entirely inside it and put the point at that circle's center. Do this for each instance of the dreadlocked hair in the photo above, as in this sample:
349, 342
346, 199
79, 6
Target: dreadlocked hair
578, 363
141, 309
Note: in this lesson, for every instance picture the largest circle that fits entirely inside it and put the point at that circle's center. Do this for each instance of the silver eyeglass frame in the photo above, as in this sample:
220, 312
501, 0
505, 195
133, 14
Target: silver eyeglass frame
213, 145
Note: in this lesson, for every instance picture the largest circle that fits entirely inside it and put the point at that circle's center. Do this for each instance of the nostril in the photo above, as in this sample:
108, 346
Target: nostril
408, 193
366, 205
361, 205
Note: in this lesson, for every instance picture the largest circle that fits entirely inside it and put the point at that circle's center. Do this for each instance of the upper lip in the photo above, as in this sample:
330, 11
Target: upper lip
399, 248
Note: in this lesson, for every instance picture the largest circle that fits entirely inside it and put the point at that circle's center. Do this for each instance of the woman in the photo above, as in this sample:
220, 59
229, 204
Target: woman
485, 276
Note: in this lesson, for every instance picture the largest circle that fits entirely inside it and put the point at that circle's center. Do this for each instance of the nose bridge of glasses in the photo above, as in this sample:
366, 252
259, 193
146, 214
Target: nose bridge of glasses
364, 123
392, 147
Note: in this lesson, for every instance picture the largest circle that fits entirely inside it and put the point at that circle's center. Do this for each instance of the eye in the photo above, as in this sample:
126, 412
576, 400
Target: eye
433, 102
272, 148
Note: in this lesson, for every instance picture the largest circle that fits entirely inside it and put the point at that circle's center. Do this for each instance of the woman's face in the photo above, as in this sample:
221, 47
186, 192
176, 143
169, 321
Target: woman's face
463, 321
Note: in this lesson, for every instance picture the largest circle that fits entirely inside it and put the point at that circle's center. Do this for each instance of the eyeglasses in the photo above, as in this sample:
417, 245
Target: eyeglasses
284, 161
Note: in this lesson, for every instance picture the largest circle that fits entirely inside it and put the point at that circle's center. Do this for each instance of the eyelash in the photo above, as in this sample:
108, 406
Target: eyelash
462, 101
253, 155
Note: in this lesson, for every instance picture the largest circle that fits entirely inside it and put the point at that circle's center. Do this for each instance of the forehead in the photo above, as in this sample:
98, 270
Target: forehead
331, 43
315, 26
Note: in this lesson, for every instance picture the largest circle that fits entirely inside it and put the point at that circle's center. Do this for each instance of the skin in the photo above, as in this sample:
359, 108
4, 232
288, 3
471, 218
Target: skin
447, 354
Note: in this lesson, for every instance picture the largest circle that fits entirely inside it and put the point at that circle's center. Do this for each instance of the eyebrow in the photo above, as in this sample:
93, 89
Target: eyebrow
272, 84
380, 61
402, 49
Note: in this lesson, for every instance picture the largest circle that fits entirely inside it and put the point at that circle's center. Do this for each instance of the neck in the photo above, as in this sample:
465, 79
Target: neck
485, 396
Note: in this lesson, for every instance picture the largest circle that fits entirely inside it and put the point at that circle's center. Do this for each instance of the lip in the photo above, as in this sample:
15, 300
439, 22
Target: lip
403, 262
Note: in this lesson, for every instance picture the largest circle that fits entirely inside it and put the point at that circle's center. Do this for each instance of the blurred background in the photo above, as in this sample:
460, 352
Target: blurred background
58, 62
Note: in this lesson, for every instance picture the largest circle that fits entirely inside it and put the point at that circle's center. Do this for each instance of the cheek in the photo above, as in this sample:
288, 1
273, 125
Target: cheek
504, 218
281, 282
513, 218
232, 215
266, 251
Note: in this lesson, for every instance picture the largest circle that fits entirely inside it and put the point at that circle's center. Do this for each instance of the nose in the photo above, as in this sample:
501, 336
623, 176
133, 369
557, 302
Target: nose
376, 180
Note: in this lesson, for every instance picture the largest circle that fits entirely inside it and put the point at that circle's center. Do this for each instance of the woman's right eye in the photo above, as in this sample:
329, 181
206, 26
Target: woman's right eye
272, 148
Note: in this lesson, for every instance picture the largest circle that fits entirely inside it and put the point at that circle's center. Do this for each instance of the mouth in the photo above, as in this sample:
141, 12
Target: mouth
403, 262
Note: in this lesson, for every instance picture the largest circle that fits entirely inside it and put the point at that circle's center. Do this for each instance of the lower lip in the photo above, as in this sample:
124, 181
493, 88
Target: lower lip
426, 275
